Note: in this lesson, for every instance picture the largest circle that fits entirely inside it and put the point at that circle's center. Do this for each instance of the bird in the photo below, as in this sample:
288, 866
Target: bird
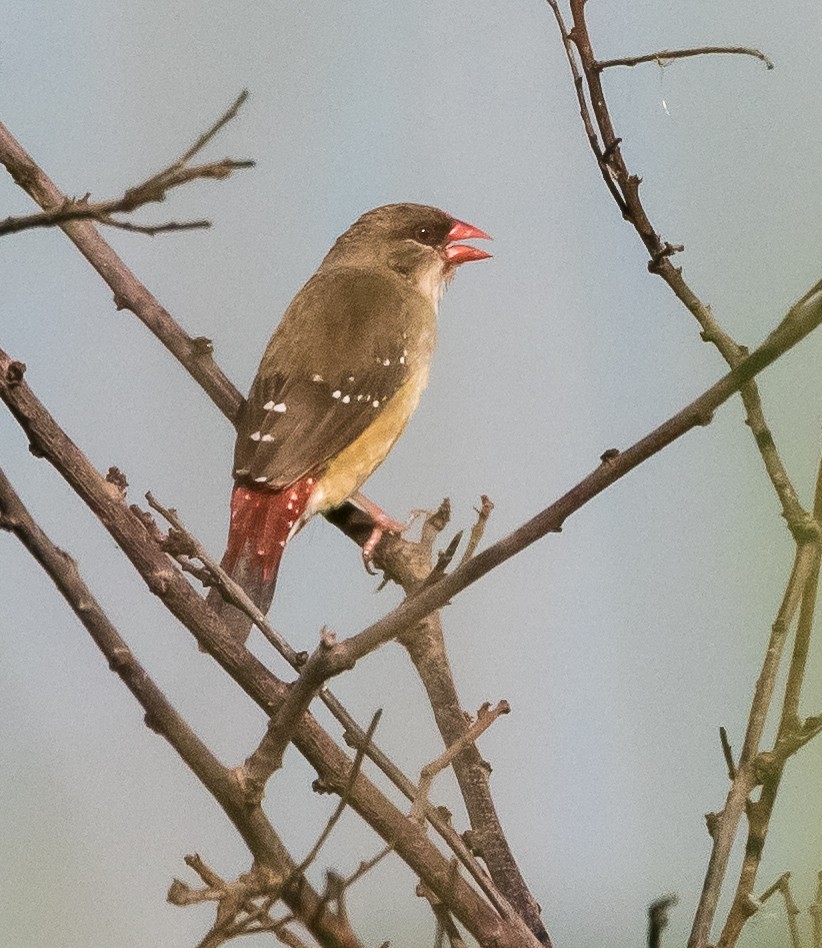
336, 386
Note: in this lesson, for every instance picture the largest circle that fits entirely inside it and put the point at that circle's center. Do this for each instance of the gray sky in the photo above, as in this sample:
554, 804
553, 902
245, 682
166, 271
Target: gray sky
623, 643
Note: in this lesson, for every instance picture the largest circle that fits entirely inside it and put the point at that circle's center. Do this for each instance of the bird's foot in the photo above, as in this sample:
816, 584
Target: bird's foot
383, 523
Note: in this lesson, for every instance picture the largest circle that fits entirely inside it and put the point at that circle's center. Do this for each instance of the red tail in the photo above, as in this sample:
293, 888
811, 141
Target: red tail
261, 523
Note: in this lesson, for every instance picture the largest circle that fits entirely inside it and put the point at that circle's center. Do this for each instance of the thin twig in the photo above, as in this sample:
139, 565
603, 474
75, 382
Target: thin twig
152, 190
344, 797
658, 919
727, 753
477, 531
663, 55
486, 716
129, 293
783, 886
222, 121
444, 558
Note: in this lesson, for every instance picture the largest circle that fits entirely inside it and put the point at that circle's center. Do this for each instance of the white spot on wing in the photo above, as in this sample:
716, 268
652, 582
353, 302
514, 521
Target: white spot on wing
260, 480
336, 393
267, 438
376, 403
386, 362
346, 399
255, 436
317, 378
268, 406
280, 407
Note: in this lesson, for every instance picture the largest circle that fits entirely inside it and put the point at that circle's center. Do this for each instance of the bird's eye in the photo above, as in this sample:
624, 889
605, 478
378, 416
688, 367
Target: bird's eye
424, 235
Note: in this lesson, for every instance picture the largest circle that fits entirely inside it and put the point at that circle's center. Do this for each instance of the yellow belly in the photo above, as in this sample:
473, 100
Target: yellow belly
349, 470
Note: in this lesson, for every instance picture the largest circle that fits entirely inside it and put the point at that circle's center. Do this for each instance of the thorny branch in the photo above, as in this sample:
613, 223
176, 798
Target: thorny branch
195, 354
333, 766
748, 772
805, 316
254, 827
152, 190
183, 545
623, 186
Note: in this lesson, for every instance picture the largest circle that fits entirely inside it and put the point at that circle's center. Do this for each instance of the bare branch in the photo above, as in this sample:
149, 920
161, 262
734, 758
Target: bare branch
344, 797
221, 122
728, 753
180, 540
663, 56
658, 919
333, 766
129, 293
485, 718
477, 531
161, 717
444, 558
152, 190
724, 827
624, 188
767, 767
445, 923
801, 319
783, 886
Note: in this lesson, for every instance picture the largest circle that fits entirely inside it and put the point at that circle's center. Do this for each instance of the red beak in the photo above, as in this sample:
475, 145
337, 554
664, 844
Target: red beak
456, 254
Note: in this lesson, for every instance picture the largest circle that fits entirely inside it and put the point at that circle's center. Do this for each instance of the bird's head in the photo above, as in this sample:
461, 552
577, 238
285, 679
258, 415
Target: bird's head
419, 242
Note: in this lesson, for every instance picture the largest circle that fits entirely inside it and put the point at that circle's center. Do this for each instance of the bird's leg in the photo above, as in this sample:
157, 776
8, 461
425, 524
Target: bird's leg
382, 523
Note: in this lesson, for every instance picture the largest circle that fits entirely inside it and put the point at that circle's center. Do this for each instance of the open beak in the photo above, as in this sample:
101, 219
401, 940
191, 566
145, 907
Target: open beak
455, 253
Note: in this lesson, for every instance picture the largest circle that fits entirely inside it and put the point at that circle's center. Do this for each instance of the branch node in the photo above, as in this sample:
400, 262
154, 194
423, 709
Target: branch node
14, 373
120, 658
118, 480
202, 346
728, 753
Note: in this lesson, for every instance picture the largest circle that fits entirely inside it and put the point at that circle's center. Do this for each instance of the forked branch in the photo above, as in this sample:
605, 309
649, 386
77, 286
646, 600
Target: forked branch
152, 190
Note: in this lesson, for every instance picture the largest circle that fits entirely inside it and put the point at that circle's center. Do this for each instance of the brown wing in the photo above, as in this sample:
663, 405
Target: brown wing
343, 349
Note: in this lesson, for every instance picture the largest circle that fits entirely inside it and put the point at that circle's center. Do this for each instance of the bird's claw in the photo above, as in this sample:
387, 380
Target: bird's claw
368, 550
384, 524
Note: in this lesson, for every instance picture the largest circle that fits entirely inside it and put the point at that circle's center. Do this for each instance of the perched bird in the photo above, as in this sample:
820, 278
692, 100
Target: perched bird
337, 384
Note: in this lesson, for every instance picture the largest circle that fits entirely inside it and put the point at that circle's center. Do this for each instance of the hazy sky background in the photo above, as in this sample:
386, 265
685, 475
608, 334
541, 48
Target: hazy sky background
623, 643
